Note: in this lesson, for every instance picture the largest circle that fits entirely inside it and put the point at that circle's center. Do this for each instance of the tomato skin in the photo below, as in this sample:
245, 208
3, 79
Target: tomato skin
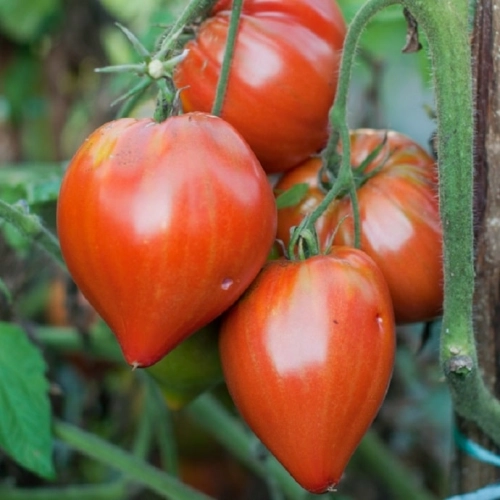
307, 353
163, 226
283, 75
400, 222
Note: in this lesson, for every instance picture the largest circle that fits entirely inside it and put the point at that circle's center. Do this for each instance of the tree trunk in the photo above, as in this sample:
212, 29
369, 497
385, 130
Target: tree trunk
469, 473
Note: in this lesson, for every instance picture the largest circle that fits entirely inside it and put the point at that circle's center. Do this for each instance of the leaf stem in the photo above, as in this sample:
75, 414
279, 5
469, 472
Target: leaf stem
228, 57
30, 226
133, 468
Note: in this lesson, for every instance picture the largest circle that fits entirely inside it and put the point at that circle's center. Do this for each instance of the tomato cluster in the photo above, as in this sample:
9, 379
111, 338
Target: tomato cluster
167, 226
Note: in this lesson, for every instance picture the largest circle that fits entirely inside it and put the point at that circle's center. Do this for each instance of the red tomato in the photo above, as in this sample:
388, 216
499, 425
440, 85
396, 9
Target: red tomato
307, 354
283, 76
163, 226
399, 210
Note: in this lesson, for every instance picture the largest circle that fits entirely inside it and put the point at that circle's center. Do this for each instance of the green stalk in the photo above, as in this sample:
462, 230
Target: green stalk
228, 57
338, 114
116, 490
344, 180
193, 10
374, 456
100, 344
446, 25
133, 468
30, 226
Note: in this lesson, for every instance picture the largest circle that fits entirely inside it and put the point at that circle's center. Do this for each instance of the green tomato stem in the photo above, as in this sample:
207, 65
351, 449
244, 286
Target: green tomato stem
338, 116
446, 25
30, 226
340, 165
193, 10
133, 468
232, 33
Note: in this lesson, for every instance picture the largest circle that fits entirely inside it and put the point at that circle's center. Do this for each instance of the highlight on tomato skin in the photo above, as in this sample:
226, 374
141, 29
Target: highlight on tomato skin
163, 226
307, 354
400, 222
283, 75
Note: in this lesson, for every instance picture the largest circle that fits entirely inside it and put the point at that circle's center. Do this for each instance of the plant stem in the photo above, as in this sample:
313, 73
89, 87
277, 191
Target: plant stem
101, 343
338, 115
340, 166
194, 9
163, 425
30, 226
228, 57
132, 468
374, 456
446, 26
116, 490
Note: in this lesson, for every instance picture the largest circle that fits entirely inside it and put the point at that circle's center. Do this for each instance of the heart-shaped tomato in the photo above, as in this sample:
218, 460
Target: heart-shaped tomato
307, 353
163, 226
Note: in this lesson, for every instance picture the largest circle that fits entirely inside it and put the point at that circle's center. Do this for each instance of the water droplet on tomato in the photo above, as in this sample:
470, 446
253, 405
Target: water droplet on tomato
226, 283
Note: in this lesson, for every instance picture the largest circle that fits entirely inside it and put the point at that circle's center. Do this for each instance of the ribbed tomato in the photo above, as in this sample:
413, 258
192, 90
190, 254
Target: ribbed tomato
400, 222
283, 75
307, 354
163, 226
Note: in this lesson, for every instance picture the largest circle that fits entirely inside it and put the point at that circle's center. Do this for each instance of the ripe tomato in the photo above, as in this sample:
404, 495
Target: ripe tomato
399, 211
307, 353
283, 76
163, 226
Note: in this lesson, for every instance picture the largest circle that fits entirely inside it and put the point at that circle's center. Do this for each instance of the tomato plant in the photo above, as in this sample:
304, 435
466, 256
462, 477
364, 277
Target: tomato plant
307, 353
283, 75
163, 226
400, 224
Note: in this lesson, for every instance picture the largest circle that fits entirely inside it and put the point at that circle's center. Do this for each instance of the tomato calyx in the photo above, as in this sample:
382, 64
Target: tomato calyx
155, 68
328, 172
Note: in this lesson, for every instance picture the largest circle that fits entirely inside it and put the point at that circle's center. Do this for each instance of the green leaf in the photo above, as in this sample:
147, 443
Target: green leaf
23, 20
25, 415
292, 196
4, 290
35, 183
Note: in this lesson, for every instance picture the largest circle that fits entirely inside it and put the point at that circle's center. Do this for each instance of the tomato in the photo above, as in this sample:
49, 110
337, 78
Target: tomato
163, 226
191, 368
400, 223
283, 75
307, 353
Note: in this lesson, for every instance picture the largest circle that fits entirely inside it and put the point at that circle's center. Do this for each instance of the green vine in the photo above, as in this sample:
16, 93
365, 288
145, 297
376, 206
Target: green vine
228, 57
446, 24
